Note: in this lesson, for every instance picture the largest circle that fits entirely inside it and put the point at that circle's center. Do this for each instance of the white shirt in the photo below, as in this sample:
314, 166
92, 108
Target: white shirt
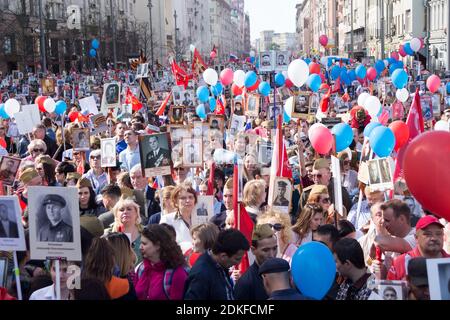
184, 238
47, 293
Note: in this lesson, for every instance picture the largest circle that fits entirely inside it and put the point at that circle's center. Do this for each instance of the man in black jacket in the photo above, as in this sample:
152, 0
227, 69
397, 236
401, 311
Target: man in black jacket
264, 246
209, 279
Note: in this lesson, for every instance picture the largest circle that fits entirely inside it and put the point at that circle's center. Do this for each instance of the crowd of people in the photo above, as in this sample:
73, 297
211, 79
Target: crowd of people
139, 240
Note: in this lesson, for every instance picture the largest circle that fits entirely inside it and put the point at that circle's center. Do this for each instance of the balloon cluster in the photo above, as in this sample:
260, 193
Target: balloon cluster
95, 44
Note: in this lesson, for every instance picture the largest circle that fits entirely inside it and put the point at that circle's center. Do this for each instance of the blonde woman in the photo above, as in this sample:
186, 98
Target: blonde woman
127, 220
310, 218
124, 256
35, 148
254, 196
281, 225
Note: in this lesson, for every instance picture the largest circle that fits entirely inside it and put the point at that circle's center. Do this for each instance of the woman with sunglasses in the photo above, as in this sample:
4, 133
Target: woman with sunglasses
35, 148
310, 218
319, 195
281, 225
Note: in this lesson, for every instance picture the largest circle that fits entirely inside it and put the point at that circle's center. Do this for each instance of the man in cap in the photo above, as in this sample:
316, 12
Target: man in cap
417, 278
277, 280
430, 243
264, 246
56, 230
321, 174
280, 200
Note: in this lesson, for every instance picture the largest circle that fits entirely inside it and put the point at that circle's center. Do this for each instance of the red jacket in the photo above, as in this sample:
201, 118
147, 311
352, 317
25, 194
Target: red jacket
399, 265
4, 295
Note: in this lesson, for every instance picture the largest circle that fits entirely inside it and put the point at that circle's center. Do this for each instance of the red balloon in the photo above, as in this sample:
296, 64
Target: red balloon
371, 74
395, 55
314, 68
425, 168
255, 86
433, 83
236, 90
73, 115
40, 102
288, 83
322, 140
322, 77
401, 133
2, 142
401, 51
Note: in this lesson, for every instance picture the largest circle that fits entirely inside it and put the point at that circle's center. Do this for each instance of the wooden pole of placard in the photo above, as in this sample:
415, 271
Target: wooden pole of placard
17, 276
58, 280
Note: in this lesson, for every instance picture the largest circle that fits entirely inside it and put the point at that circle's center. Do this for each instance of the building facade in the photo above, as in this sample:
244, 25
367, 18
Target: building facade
438, 35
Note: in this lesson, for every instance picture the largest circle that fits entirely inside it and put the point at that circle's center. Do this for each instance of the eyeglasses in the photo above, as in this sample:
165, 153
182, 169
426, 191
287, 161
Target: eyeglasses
318, 176
326, 200
76, 153
276, 226
346, 162
95, 157
38, 150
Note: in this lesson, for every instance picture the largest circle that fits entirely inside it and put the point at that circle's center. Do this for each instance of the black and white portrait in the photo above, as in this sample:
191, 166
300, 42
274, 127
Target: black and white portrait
142, 71
80, 139
237, 124
438, 271
54, 223
385, 171
177, 98
301, 105
252, 105
108, 148
203, 211
187, 98
282, 193
176, 115
11, 228
111, 98
390, 291
374, 173
112, 94
8, 169
192, 152
155, 154
99, 123
238, 109
216, 123
281, 59
264, 152
380, 174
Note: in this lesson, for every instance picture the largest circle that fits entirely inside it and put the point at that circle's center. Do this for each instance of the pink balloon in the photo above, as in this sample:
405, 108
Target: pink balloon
323, 40
384, 118
322, 140
226, 76
322, 77
371, 74
422, 43
395, 55
401, 51
433, 83
212, 55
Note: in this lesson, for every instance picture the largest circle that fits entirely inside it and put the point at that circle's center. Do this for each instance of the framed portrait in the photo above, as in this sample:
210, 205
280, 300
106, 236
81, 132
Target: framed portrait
301, 105
438, 271
176, 92
203, 211
252, 105
187, 98
216, 122
108, 155
12, 237
391, 289
427, 111
81, 139
282, 60
265, 151
99, 124
155, 150
142, 71
267, 61
380, 174
237, 107
237, 124
54, 217
8, 169
48, 86
314, 104
110, 98
177, 133
282, 194
176, 115
436, 104
199, 129
3, 271
25, 90
192, 152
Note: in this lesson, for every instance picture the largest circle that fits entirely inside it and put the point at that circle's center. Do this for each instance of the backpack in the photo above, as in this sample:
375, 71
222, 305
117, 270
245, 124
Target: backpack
167, 278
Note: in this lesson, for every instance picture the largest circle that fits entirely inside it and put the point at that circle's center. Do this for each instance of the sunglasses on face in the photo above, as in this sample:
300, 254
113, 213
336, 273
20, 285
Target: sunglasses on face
38, 150
95, 158
325, 200
276, 226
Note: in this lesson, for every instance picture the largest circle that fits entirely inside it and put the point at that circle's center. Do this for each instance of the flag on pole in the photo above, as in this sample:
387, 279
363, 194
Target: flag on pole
198, 65
220, 108
210, 191
131, 99
162, 108
180, 75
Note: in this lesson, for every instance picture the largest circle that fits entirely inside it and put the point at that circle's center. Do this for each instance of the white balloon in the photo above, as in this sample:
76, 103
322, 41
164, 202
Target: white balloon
402, 95
239, 78
49, 105
252, 53
288, 106
298, 72
362, 97
313, 127
386, 63
372, 105
210, 76
442, 125
415, 44
12, 106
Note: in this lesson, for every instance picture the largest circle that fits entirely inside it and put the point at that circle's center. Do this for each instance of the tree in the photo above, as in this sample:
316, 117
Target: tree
274, 46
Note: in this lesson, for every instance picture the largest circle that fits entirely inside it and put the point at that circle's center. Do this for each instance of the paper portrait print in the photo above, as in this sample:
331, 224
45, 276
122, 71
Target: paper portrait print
203, 211
282, 60
48, 86
252, 105
99, 123
176, 115
267, 61
301, 105
111, 98
237, 124
54, 223
12, 236
142, 71
81, 139
380, 174
192, 152
281, 197
155, 153
264, 152
108, 149
8, 169
438, 271
216, 122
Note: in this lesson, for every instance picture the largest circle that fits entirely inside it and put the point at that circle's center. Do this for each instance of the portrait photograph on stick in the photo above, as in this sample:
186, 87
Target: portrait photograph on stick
252, 106
155, 154
176, 115
192, 152
81, 139
301, 106
203, 211
8, 169
282, 194
216, 122
380, 174
108, 148
12, 236
438, 271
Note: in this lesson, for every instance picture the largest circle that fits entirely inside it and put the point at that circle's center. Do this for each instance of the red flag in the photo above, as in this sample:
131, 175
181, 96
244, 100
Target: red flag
220, 108
181, 77
416, 127
198, 65
131, 99
161, 109
210, 191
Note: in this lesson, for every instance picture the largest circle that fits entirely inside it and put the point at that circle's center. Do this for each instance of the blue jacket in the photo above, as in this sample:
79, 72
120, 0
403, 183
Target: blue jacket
287, 294
250, 286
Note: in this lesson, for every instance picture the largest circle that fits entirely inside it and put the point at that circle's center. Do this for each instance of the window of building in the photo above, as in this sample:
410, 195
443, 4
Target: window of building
7, 45
408, 21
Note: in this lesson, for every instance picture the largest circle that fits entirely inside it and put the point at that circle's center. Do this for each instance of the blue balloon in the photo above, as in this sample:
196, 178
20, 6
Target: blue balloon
361, 71
202, 93
314, 82
212, 104
286, 118
391, 60
95, 44
217, 89
335, 72
307, 60
280, 79
382, 141
252, 59
313, 269
250, 79
352, 74
92, 53
368, 129
399, 78
448, 87
201, 111
407, 48
345, 78
3, 113
264, 88
61, 107
344, 136
379, 66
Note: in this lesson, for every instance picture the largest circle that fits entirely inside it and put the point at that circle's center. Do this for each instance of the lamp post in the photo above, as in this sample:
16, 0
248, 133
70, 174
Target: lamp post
150, 5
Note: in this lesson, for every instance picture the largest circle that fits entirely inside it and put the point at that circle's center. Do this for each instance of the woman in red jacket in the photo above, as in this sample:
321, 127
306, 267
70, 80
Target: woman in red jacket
163, 272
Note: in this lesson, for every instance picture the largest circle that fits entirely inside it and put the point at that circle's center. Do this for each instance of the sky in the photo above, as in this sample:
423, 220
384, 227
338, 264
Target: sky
277, 15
